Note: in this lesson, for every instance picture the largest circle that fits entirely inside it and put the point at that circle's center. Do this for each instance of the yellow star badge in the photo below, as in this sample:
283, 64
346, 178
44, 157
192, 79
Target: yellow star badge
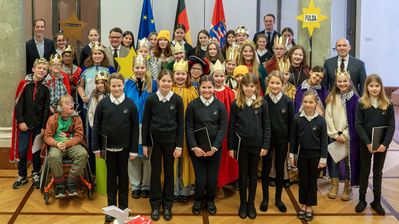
126, 64
72, 27
311, 18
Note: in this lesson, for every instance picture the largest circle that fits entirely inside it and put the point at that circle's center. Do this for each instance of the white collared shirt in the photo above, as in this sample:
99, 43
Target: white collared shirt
40, 47
345, 62
117, 101
117, 49
164, 98
181, 42
374, 102
309, 118
261, 52
250, 101
207, 102
275, 98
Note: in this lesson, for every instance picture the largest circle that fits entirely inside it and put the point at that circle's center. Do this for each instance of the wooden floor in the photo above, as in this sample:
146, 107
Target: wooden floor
26, 205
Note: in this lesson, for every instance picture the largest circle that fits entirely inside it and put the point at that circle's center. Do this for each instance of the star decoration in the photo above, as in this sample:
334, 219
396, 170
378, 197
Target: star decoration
126, 64
311, 18
152, 21
145, 17
72, 27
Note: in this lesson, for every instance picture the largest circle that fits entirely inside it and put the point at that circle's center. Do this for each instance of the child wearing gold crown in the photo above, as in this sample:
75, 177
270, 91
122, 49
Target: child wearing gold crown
184, 171
143, 48
138, 88
32, 104
231, 64
213, 53
280, 50
242, 35
70, 70
57, 82
228, 170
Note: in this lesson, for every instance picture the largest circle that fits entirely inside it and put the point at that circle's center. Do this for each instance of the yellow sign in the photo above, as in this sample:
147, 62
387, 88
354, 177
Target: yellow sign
72, 27
126, 64
311, 18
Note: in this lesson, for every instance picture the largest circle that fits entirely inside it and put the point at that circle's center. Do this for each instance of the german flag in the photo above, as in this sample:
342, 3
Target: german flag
182, 18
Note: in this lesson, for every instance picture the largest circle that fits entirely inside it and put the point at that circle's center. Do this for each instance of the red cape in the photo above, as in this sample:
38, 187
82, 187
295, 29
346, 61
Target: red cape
228, 169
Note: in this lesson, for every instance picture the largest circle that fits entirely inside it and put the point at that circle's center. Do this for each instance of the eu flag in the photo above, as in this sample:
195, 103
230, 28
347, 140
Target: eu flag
147, 23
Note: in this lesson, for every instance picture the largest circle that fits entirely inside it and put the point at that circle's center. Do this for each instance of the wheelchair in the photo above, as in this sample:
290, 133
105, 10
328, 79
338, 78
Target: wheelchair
47, 180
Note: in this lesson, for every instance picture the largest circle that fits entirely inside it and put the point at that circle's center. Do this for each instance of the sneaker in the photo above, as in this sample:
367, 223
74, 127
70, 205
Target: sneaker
20, 182
72, 190
59, 191
36, 180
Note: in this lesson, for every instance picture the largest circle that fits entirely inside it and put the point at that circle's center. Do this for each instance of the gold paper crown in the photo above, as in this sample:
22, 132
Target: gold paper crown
284, 65
182, 65
55, 58
218, 66
250, 42
242, 29
140, 60
101, 76
232, 53
281, 40
178, 48
98, 46
240, 70
40, 61
144, 43
344, 72
68, 49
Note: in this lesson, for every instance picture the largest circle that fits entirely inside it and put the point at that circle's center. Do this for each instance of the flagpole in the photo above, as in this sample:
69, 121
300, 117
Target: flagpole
311, 51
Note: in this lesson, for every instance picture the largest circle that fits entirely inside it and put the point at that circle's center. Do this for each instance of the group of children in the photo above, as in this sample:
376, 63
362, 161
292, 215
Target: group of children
152, 121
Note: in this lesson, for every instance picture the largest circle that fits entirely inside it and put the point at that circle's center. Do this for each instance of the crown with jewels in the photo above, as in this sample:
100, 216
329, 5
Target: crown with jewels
55, 58
178, 48
218, 66
343, 73
68, 49
182, 65
140, 60
144, 43
101, 76
242, 29
281, 40
98, 46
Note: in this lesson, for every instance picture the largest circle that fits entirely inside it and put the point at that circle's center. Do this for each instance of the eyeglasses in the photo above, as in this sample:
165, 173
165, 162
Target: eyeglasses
115, 37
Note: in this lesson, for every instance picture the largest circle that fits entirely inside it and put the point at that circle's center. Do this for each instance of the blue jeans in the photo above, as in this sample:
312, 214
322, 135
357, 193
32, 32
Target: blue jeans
23, 143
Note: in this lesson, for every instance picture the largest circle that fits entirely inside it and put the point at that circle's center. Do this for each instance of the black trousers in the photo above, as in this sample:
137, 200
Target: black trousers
365, 167
308, 172
118, 178
280, 151
248, 161
158, 195
206, 175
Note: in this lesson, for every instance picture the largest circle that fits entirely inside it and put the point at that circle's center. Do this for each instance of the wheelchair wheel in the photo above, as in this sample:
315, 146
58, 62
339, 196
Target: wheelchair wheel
46, 198
44, 174
90, 194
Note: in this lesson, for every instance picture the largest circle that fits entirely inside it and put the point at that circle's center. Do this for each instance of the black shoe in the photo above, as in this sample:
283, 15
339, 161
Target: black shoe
145, 193
196, 208
136, 194
377, 207
182, 199
281, 206
36, 180
360, 206
167, 214
155, 214
287, 183
72, 190
263, 205
308, 216
59, 191
175, 198
109, 218
272, 183
19, 182
301, 214
251, 211
243, 210
235, 186
210, 206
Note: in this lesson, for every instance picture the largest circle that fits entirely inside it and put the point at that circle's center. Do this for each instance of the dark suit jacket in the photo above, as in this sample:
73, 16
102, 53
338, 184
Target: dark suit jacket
123, 52
268, 46
32, 54
356, 69
84, 54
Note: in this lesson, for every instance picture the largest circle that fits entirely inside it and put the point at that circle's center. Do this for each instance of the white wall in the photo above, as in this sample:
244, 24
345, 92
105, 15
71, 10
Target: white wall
126, 15
338, 23
378, 37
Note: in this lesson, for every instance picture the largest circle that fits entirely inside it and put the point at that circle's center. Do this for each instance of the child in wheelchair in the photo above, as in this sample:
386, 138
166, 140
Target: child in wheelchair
64, 136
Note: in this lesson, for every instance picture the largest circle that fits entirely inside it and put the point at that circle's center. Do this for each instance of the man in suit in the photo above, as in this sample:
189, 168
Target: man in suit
269, 20
38, 46
344, 61
115, 50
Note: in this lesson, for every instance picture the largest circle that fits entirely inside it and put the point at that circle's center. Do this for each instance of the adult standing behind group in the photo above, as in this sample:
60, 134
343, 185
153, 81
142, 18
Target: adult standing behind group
38, 46
269, 21
115, 50
344, 61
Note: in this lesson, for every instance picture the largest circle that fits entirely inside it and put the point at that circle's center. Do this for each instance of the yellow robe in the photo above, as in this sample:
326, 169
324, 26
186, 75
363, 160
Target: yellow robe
188, 174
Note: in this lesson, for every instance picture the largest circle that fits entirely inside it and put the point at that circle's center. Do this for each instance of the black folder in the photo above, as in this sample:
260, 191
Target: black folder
237, 144
103, 148
377, 137
202, 138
